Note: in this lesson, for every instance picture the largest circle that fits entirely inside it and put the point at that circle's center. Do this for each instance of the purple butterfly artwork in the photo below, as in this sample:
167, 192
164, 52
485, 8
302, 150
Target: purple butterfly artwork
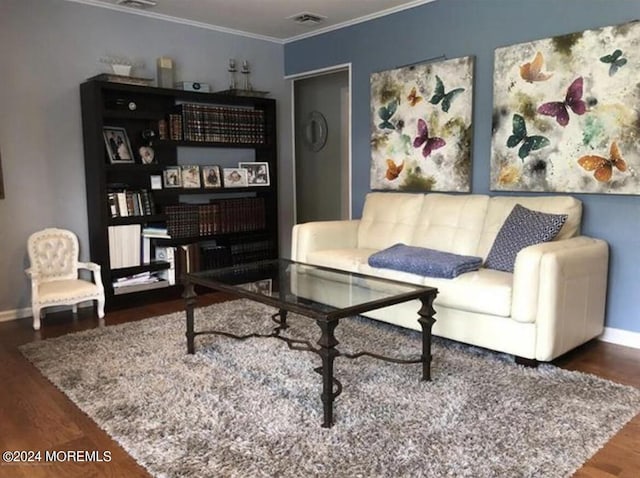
573, 100
423, 138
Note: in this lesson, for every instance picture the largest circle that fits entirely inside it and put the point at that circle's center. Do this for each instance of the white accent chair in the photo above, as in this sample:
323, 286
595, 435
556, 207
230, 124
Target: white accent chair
53, 254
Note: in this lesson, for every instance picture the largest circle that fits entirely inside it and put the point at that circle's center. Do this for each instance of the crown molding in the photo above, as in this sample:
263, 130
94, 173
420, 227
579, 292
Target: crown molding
355, 21
181, 21
281, 41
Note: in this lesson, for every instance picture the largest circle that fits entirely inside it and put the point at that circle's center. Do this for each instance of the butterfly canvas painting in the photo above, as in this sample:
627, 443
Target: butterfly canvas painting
421, 124
565, 114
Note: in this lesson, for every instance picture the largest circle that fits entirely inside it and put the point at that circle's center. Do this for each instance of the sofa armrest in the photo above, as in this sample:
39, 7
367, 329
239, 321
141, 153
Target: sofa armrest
561, 286
322, 235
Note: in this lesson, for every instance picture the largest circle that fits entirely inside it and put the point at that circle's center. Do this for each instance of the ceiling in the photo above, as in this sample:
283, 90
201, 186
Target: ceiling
264, 19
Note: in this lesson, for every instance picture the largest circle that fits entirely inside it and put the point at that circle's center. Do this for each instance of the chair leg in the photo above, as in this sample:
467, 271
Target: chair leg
101, 308
36, 317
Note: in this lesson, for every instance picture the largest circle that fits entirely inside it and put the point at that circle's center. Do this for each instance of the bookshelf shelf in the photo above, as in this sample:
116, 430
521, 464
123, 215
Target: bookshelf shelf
119, 221
245, 125
231, 237
140, 115
149, 267
135, 168
216, 191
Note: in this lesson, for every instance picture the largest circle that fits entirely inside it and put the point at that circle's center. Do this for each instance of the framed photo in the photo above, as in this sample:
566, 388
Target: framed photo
211, 177
257, 173
235, 177
172, 177
117, 143
190, 176
156, 181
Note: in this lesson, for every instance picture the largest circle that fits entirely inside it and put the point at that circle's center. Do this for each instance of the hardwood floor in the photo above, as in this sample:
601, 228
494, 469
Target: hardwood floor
35, 415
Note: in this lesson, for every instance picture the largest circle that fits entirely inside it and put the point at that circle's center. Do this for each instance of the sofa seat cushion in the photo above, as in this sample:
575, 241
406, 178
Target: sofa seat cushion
424, 261
484, 291
344, 259
391, 274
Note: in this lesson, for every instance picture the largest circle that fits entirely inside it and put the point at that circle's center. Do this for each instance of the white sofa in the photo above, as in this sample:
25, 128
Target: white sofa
552, 302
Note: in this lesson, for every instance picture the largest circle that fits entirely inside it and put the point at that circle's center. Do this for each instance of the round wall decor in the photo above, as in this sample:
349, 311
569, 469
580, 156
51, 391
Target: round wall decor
315, 131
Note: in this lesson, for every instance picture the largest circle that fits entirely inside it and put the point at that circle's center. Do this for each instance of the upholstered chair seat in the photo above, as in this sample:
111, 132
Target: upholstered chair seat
53, 254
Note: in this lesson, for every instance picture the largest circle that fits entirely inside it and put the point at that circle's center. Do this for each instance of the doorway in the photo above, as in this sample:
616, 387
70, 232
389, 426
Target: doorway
322, 145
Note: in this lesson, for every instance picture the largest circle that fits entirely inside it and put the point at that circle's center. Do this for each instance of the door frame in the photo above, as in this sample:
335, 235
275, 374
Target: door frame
310, 74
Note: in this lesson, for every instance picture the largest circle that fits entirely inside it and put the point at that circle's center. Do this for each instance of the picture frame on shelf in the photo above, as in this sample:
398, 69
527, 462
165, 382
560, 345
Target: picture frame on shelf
257, 173
155, 181
211, 177
172, 177
117, 143
190, 176
235, 178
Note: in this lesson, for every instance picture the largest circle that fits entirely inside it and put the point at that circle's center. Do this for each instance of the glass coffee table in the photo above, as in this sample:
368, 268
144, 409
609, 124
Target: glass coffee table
321, 294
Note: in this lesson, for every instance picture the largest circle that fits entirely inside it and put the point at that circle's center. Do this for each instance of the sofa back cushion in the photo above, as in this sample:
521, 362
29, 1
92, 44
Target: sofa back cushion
451, 223
501, 206
388, 218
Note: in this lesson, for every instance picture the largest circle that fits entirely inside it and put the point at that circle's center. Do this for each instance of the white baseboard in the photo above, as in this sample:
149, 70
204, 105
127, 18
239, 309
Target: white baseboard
7, 315
621, 337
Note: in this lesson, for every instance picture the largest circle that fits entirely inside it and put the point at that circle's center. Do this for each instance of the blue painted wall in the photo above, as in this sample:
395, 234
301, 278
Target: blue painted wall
457, 28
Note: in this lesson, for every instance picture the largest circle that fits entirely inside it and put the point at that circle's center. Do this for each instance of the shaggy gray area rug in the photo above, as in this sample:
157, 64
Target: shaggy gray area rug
252, 408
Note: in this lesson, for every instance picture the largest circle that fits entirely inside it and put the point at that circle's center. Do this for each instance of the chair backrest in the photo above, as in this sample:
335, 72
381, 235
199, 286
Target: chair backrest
53, 254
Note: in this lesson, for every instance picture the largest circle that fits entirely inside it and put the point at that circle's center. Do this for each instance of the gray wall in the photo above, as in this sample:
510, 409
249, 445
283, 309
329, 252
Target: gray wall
458, 28
47, 48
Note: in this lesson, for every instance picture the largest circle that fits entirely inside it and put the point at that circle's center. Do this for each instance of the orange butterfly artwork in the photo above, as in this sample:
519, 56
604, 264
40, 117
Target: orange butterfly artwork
532, 71
393, 170
413, 97
603, 167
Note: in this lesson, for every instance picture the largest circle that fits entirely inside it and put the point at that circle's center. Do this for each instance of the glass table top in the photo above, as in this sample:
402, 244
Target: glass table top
312, 290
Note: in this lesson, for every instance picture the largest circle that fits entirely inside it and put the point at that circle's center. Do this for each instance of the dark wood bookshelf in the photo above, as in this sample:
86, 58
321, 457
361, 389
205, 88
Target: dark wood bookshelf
108, 104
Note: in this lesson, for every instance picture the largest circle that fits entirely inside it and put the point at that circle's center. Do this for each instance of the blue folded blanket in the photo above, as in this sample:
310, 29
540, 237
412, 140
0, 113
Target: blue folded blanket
424, 262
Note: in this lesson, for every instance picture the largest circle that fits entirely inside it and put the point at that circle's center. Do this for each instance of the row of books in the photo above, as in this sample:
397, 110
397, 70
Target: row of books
196, 257
218, 217
217, 124
130, 203
175, 126
242, 253
213, 256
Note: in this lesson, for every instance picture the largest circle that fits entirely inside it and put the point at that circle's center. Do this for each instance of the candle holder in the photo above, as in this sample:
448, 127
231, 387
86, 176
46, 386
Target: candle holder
246, 72
233, 84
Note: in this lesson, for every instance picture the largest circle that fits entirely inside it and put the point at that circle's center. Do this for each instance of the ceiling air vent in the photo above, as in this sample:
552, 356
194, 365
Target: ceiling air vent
307, 18
141, 4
